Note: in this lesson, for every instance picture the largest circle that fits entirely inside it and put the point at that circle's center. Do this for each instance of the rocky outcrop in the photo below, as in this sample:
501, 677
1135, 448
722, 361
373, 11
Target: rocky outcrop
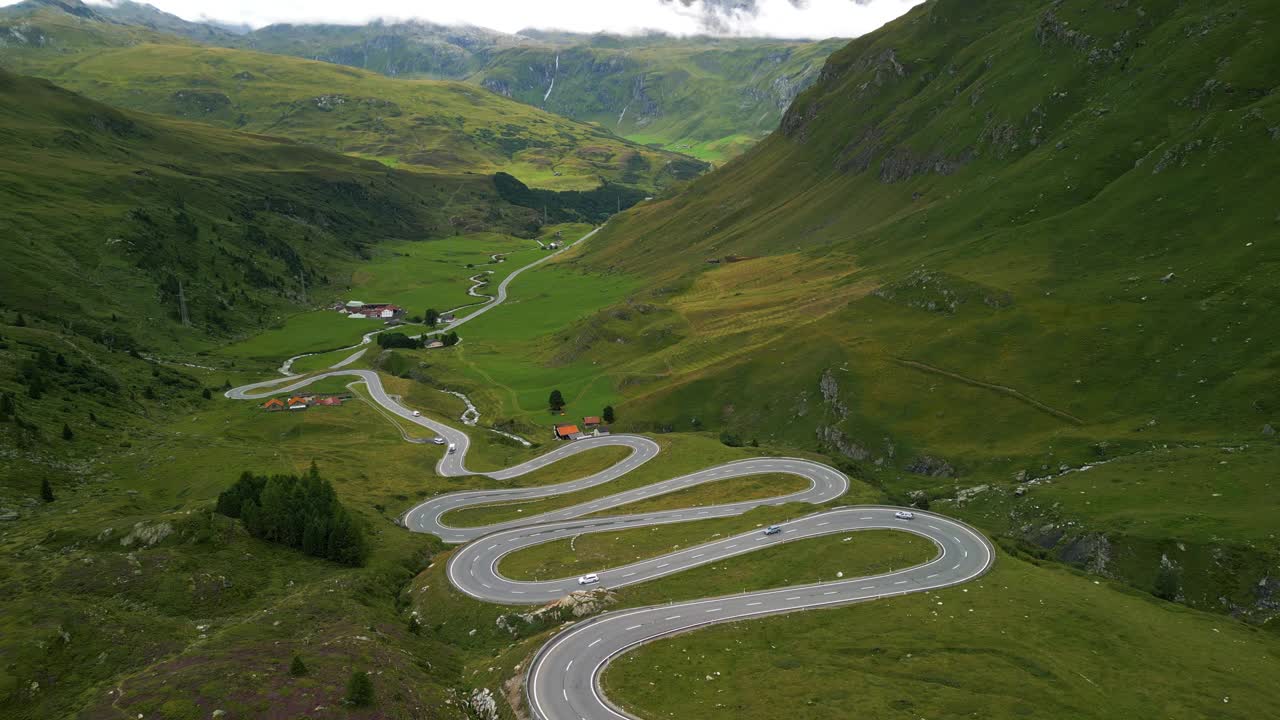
830, 390
145, 534
482, 704
833, 438
902, 163
932, 467
579, 603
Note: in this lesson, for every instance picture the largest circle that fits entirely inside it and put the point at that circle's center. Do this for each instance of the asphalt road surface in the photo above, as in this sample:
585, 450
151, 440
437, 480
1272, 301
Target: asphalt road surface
563, 681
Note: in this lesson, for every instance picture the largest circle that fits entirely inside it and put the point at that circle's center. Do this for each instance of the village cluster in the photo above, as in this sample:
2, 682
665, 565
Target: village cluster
302, 402
360, 310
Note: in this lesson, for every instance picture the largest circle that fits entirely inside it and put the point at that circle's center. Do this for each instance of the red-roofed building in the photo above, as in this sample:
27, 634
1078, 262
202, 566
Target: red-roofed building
273, 404
590, 421
567, 432
297, 403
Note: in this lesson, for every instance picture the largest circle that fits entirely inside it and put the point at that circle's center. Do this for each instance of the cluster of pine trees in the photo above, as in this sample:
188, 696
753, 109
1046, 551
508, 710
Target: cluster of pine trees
301, 512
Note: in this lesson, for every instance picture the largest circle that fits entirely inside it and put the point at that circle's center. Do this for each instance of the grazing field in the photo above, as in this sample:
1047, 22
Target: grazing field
1024, 641
680, 455
415, 275
595, 551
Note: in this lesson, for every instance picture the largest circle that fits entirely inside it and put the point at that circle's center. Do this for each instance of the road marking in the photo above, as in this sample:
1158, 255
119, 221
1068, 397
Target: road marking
673, 617
695, 557
633, 627
730, 547
663, 565
715, 610
796, 597
866, 518
566, 667
628, 574
753, 604
930, 577
823, 523
595, 642
517, 592
901, 582
867, 587
831, 592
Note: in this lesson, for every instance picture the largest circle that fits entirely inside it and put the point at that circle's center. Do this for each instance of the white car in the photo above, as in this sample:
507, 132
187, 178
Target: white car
417, 413
904, 515
452, 447
438, 440
588, 579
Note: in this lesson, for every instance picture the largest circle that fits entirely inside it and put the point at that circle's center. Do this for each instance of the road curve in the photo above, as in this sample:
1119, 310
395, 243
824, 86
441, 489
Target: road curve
563, 680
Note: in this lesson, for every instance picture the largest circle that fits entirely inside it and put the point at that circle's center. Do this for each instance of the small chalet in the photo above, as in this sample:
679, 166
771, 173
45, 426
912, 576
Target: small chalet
298, 402
567, 432
590, 422
329, 400
273, 405
447, 317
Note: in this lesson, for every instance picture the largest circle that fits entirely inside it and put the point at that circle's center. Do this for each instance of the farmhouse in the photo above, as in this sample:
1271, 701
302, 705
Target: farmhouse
590, 421
567, 432
372, 311
273, 405
447, 317
298, 402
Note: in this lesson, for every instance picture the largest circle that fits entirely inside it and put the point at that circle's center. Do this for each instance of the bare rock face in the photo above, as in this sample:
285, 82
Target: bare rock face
1268, 430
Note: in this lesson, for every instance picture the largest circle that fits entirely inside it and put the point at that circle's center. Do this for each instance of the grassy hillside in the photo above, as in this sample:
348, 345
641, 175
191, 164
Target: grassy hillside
707, 97
703, 96
986, 249
421, 125
114, 221
711, 98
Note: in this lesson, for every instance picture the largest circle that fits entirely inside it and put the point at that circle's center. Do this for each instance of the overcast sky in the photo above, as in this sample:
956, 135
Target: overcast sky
775, 18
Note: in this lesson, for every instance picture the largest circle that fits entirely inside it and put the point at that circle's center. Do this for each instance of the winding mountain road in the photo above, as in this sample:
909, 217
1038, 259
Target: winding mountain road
563, 680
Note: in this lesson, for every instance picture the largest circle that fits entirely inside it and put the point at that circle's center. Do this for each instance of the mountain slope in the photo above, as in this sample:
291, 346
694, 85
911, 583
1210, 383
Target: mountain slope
995, 241
115, 221
711, 97
428, 125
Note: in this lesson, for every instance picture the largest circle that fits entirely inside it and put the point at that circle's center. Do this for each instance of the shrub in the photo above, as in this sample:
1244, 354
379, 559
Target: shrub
360, 689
